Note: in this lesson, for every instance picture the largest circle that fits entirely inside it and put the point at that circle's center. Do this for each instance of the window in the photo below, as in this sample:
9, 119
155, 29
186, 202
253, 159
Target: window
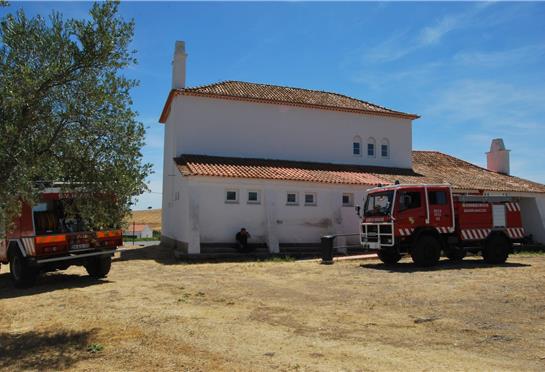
231, 196
348, 200
291, 198
371, 147
437, 197
310, 198
356, 146
409, 200
356, 150
385, 148
254, 197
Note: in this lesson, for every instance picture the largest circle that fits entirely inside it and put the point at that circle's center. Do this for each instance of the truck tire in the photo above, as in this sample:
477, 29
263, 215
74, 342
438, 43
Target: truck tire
389, 257
455, 254
496, 249
21, 274
426, 251
98, 267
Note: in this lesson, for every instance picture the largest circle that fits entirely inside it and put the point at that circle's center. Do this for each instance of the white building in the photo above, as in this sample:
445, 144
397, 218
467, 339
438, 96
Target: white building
289, 164
138, 231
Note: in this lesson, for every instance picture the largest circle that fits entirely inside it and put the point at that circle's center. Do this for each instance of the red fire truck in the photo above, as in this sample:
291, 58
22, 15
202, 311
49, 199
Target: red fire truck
43, 239
426, 220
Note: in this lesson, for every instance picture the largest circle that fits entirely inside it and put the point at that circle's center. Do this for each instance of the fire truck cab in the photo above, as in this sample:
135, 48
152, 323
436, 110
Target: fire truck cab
43, 239
428, 220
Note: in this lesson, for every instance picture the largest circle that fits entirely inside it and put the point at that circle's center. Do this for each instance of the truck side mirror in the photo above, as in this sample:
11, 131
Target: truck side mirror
358, 210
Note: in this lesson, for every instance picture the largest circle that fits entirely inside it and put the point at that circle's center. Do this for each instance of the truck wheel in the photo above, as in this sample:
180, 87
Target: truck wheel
21, 274
426, 251
389, 257
496, 249
99, 267
455, 254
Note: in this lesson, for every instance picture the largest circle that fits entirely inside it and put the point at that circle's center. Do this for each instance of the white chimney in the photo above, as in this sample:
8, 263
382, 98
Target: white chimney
497, 160
178, 66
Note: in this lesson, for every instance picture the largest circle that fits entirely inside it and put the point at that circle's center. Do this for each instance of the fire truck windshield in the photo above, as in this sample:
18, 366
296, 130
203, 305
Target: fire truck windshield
379, 204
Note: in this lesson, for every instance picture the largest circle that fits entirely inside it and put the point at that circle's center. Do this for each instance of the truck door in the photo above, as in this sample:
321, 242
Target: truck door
440, 208
411, 211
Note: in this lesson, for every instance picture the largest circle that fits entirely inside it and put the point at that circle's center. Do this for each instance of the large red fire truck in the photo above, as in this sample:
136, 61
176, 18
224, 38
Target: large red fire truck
44, 239
427, 220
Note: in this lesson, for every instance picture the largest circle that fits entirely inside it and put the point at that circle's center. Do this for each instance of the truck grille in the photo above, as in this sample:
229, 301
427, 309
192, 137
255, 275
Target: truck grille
381, 234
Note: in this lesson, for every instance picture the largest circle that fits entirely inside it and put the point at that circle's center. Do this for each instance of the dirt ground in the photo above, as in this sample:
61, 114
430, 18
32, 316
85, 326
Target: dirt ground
154, 313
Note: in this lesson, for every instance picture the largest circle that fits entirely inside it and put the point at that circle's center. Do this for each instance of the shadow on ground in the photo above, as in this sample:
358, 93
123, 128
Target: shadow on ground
165, 256
46, 283
157, 253
40, 351
409, 267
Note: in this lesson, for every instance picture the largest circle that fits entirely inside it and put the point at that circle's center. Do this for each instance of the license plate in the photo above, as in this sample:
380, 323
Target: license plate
80, 246
373, 245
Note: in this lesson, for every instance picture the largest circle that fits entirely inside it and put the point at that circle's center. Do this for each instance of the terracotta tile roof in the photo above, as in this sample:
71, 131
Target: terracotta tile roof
275, 94
428, 167
464, 175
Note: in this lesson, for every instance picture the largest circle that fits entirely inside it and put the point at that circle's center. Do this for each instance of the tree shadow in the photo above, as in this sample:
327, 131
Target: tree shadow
47, 283
409, 267
43, 350
165, 256
158, 253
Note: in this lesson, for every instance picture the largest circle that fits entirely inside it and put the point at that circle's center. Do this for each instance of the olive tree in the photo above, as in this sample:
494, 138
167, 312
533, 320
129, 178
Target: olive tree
66, 115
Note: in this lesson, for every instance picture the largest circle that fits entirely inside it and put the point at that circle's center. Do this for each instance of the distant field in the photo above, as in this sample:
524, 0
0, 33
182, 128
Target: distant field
151, 217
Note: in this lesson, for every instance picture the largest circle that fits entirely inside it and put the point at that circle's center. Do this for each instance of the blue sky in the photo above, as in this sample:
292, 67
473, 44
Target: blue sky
473, 71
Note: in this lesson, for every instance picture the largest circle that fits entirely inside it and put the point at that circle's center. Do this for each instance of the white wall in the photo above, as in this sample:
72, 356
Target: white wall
533, 217
271, 222
244, 129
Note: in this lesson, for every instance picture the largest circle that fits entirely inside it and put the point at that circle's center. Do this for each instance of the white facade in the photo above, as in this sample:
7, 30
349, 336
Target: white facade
202, 214
194, 210
207, 126
533, 217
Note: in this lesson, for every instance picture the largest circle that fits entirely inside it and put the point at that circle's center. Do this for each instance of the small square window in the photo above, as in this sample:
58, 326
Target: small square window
356, 148
310, 198
348, 200
370, 149
254, 197
291, 198
231, 196
384, 151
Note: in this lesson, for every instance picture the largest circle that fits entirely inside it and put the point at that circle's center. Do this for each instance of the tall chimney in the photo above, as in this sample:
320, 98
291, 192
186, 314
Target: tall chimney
178, 66
497, 160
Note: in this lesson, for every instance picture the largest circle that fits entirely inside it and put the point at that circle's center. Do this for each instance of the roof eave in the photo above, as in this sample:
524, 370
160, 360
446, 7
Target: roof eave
174, 92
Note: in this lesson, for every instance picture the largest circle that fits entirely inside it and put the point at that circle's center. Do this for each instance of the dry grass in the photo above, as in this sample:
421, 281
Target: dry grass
151, 217
153, 313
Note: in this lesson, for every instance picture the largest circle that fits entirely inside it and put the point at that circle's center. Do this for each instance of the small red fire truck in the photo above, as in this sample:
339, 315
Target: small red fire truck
426, 220
43, 239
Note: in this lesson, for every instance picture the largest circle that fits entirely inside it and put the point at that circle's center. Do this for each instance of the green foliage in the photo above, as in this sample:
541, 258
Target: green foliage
95, 348
65, 113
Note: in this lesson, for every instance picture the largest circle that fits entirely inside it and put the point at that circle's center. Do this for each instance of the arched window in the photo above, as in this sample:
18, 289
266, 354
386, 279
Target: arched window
356, 146
371, 144
385, 148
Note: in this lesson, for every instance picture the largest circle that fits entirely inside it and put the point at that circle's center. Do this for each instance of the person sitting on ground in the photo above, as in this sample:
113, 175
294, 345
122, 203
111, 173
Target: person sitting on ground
242, 240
